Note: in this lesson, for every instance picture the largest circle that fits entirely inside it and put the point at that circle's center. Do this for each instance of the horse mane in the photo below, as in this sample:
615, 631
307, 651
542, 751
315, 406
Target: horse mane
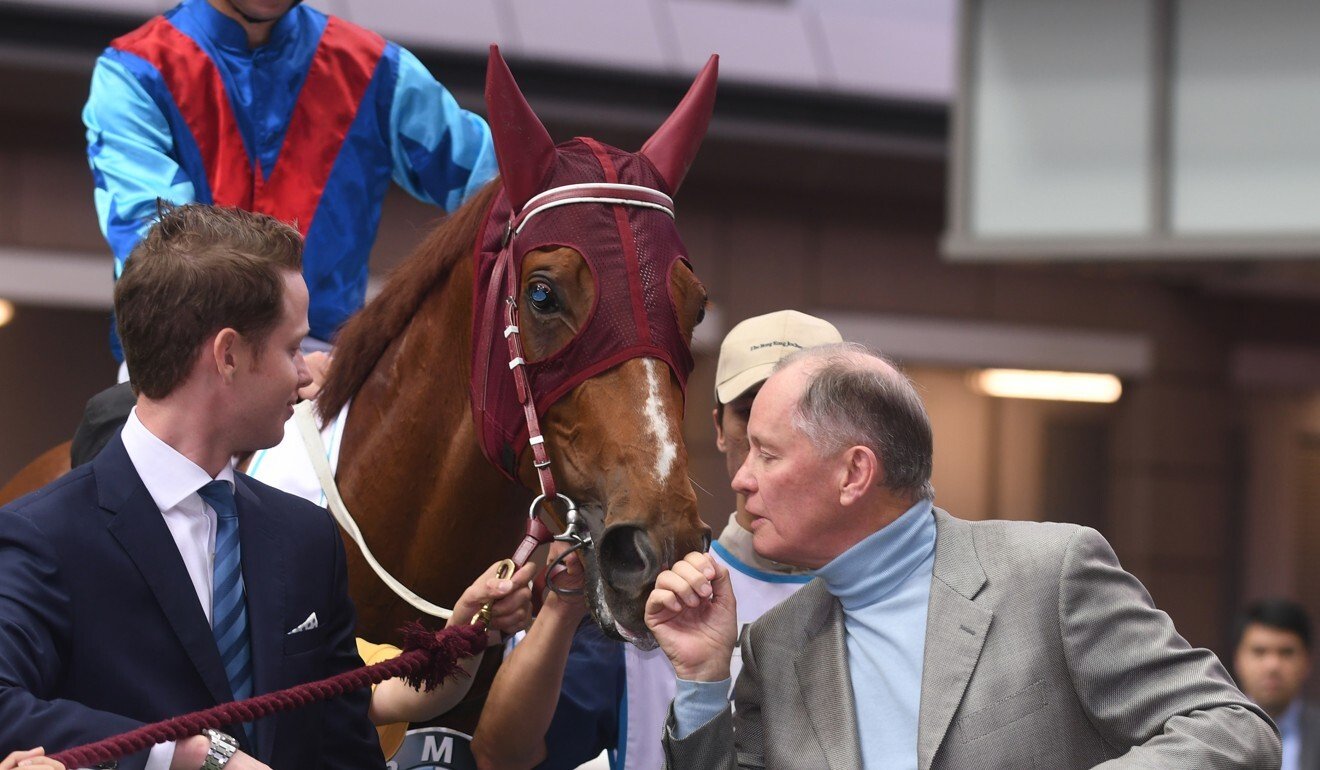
366, 336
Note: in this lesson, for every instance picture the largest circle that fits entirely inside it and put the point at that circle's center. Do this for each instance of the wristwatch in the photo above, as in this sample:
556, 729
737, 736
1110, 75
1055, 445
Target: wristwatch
223, 748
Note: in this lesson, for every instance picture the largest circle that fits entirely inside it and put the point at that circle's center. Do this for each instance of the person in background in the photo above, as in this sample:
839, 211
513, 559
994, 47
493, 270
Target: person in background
1272, 661
566, 693
924, 640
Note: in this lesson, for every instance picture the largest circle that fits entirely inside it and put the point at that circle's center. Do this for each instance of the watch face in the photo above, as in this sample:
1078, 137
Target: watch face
434, 748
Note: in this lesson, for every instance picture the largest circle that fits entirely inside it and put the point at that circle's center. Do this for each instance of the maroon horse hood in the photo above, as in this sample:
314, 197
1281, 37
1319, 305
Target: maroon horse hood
629, 248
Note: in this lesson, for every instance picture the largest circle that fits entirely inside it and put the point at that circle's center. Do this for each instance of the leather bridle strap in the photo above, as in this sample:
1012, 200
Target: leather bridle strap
537, 532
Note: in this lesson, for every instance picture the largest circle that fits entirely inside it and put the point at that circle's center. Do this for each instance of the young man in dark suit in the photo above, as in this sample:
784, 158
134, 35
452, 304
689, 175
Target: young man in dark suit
156, 580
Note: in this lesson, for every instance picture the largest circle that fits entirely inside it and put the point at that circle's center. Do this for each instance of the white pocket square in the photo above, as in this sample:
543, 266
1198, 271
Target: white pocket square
306, 625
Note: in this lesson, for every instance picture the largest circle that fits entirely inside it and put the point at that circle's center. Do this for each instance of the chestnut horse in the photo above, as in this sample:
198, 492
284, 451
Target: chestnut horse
432, 505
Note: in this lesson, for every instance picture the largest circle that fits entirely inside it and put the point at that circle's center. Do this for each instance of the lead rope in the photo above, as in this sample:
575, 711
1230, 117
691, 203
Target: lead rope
430, 657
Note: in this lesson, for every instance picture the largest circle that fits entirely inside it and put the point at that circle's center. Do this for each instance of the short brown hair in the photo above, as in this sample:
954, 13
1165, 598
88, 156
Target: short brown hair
200, 269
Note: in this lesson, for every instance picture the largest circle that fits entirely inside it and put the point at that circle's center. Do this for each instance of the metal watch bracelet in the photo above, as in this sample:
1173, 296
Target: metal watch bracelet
223, 748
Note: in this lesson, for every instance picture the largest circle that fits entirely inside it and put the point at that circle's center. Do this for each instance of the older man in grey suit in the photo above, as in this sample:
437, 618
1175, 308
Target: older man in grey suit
927, 641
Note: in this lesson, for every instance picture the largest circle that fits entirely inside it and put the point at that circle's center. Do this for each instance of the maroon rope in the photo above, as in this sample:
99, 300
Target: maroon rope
429, 659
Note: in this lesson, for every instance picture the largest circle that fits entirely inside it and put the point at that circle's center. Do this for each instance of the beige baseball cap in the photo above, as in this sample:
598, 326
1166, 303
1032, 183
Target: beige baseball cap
752, 348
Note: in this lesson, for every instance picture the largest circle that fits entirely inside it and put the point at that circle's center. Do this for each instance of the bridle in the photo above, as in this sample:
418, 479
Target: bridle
505, 283
576, 533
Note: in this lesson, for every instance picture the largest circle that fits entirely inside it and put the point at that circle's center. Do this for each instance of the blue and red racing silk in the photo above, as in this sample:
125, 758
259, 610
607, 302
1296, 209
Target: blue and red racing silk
309, 128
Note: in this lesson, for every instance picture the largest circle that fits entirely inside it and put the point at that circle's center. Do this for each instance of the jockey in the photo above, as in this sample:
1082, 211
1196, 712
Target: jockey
275, 107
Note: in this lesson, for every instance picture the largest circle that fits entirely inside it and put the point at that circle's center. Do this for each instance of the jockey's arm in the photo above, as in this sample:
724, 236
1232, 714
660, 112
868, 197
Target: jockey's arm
442, 154
318, 364
131, 154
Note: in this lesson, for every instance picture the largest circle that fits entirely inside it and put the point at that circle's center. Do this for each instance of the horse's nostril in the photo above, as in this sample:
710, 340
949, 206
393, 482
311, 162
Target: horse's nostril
627, 559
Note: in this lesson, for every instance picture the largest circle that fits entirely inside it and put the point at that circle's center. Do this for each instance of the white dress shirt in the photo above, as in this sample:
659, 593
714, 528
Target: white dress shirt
172, 480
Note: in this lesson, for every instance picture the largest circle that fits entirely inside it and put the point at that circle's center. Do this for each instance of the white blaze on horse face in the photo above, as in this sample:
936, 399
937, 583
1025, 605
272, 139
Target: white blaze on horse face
666, 448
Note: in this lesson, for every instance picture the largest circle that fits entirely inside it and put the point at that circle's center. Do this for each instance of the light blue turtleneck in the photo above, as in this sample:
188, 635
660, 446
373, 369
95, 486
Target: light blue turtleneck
883, 583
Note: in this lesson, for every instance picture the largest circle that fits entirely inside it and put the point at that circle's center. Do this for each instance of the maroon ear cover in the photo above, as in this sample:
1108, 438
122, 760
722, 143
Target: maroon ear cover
673, 147
522, 146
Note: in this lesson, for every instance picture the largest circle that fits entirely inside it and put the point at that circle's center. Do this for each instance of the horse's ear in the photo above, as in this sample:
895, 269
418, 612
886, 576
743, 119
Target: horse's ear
522, 146
673, 146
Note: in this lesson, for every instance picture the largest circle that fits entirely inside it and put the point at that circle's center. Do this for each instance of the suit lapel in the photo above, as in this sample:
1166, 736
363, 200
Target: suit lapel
263, 578
822, 672
955, 632
140, 529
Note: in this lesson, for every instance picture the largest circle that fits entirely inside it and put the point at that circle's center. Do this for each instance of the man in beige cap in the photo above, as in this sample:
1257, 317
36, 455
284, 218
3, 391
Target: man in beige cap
565, 693
747, 356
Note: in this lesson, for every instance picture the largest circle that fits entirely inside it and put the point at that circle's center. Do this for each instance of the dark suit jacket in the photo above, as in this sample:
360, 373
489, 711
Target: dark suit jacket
101, 630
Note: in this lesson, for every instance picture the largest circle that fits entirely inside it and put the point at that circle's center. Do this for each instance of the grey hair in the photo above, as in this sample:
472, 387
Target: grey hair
848, 404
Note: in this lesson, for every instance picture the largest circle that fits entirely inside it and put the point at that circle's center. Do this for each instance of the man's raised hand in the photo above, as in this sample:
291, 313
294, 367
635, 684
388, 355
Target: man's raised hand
692, 613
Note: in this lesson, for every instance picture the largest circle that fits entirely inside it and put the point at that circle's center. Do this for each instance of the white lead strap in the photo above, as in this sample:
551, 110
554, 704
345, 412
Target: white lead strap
311, 435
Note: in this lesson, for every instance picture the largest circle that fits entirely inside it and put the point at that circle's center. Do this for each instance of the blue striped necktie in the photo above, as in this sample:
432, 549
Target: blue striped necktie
229, 620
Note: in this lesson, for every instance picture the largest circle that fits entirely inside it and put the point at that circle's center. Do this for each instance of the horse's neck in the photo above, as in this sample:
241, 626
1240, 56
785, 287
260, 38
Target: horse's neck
411, 436
415, 402
433, 510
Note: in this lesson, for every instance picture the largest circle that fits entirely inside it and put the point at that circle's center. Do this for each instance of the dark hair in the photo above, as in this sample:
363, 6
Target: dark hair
1281, 614
200, 269
846, 404
748, 396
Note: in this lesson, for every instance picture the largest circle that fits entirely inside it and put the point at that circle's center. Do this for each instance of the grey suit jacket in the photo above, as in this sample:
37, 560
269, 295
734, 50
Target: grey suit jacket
1041, 652
1310, 754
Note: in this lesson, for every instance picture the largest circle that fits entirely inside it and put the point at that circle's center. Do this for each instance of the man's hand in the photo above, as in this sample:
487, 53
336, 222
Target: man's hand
30, 758
694, 618
571, 576
318, 364
511, 600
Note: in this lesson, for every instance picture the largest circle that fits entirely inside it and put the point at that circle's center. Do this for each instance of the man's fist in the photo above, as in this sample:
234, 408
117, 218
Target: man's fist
692, 613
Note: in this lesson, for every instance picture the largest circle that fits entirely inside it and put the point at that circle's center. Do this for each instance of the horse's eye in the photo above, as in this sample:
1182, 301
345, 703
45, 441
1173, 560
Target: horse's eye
542, 297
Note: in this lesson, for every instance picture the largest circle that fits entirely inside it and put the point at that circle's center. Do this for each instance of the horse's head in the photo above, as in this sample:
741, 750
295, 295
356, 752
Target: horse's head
582, 238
